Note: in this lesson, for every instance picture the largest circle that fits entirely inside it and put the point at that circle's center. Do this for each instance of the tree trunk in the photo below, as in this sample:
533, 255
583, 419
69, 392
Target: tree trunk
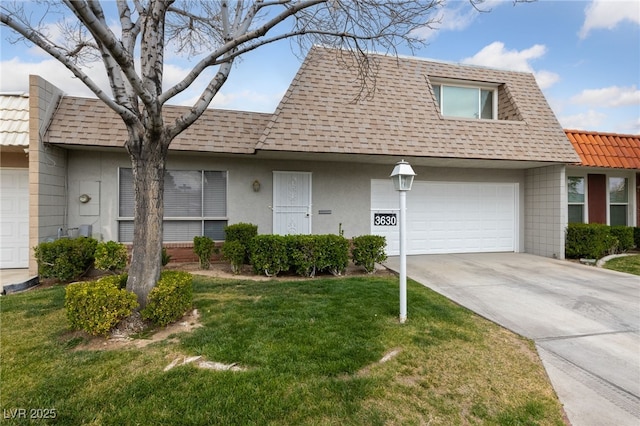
148, 163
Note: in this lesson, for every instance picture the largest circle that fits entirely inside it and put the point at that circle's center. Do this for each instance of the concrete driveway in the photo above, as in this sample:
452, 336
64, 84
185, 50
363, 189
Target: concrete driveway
585, 322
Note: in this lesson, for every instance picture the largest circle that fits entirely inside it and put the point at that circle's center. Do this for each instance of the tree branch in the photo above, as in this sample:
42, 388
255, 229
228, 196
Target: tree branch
56, 53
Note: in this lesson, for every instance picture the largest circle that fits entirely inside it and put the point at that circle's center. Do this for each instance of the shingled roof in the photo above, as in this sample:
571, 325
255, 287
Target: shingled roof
318, 114
609, 150
89, 122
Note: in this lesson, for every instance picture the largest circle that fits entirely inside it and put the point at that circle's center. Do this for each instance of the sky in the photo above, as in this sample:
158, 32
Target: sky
585, 56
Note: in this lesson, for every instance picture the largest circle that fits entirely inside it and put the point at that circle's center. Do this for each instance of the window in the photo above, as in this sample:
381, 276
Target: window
575, 189
195, 204
465, 101
618, 201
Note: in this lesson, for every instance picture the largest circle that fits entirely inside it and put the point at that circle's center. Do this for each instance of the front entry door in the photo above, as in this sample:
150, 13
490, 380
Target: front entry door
291, 203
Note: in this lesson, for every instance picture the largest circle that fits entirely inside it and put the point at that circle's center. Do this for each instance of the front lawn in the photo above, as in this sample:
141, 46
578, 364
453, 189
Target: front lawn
628, 264
310, 351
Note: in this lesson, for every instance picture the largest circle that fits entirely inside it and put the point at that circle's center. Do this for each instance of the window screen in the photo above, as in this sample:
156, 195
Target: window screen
195, 204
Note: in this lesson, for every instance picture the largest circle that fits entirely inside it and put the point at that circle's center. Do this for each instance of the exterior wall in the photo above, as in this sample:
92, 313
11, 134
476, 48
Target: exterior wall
545, 211
18, 160
633, 180
47, 169
344, 188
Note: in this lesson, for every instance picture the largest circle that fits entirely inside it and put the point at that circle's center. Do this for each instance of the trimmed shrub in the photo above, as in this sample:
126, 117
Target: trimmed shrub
97, 306
636, 236
204, 248
119, 281
368, 250
333, 253
624, 234
170, 299
65, 259
589, 240
244, 233
269, 254
302, 253
110, 256
234, 252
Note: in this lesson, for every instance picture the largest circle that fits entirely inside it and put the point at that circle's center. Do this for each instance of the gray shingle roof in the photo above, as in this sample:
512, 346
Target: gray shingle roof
86, 121
318, 114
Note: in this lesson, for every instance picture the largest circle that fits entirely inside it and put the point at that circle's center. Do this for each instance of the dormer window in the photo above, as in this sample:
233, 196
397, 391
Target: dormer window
466, 101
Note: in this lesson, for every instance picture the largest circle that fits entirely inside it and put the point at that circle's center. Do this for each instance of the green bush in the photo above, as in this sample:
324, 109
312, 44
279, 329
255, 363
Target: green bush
97, 306
589, 240
111, 256
244, 233
333, 253
269, 254
310, 254
234, 252
302, 253
170, 299
166, 257
636, 236
65, 259
368, 250
204, 248
119, 281
624, 235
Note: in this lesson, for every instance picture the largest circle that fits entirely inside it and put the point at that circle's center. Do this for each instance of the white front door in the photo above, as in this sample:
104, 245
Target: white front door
14, 218
291, 203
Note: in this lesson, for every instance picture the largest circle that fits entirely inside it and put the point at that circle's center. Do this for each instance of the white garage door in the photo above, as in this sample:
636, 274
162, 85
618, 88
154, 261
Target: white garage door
448, 217
14, 218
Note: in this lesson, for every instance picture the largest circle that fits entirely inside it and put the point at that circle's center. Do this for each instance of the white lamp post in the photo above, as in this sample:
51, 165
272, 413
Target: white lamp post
402, 177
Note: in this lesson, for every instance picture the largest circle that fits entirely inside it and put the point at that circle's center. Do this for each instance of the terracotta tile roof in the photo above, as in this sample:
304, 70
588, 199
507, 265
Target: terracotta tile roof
14, 120
318, 114
86, 121
609, 150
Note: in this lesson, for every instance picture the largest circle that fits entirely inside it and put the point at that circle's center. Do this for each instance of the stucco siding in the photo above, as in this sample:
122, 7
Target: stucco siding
342, 188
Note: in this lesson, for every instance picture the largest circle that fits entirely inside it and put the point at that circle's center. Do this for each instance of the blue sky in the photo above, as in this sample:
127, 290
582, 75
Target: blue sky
585, 56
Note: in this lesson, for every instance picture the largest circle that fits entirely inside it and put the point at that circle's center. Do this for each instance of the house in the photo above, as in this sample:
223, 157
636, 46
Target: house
605, 186
14, 180
489, 154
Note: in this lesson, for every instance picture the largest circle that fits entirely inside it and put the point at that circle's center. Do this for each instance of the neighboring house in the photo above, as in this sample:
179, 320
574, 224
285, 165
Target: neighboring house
489, 154
14, 180
605, 187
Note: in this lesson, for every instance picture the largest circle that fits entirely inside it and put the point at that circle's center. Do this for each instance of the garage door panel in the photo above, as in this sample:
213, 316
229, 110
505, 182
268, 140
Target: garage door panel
14, 218
452, 217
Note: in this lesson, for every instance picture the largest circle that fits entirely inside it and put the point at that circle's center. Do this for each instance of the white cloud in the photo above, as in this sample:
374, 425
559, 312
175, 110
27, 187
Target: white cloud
495, 55
455, 16
546, 79
15, 76
247, 100
611, 97
588, 120
607, 14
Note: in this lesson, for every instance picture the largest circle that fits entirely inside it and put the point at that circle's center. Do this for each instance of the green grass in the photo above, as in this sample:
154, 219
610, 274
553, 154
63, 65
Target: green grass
628, 264
311, 350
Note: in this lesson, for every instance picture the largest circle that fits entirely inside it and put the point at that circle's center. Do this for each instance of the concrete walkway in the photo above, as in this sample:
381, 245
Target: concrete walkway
584, 320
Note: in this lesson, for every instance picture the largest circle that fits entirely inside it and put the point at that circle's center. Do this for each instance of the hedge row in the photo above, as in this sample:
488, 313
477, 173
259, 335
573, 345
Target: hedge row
67, 259
593, 240
305, 255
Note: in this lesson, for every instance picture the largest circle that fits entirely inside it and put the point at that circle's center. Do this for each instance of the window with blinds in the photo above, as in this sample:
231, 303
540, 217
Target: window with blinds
195, 204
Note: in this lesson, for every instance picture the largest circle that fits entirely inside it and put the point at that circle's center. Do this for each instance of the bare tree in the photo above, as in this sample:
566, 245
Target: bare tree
217, 32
